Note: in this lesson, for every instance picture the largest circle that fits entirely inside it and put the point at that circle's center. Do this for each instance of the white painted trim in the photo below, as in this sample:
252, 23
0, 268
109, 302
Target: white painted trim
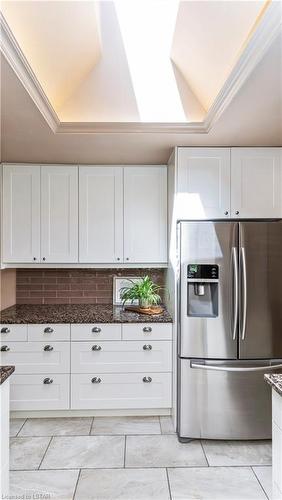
134, 265
18, 62
91, 413
260, 40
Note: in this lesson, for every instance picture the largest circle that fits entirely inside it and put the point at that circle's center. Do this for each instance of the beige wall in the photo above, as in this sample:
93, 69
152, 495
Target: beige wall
7, 288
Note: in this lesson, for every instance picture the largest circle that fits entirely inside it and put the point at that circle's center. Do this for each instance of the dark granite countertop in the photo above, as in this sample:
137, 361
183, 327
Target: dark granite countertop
275, 380
5, 372
77, 313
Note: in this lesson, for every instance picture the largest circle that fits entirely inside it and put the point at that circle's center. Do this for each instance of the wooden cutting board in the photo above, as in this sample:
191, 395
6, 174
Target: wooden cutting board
151, 311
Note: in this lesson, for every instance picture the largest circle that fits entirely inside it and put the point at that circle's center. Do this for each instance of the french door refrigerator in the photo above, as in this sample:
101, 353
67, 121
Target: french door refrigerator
230, 327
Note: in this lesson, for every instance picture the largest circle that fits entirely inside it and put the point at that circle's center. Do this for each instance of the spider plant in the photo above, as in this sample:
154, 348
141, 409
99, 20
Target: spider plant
144, 290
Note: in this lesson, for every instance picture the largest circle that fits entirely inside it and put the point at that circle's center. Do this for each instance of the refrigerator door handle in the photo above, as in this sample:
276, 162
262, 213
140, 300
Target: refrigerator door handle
243, 292
235, 291
222, 368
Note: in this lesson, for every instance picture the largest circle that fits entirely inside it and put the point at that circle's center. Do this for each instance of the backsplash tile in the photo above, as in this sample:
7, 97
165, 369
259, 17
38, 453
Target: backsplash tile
74, 286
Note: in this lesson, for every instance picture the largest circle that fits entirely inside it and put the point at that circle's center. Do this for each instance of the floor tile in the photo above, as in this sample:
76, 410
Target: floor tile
27, 452
126, 425
55, 484
215, 483
264, 475
15, 425
124, 484
228, 453
167, 425
84, 452
162, 451
56, 427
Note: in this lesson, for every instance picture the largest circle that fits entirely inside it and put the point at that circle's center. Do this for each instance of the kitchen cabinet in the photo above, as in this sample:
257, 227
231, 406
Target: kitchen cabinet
219, 183
21, 213
59, 214
203, 183
145, 214
101, 214
276, 445
4, 438
40, 214
256, 182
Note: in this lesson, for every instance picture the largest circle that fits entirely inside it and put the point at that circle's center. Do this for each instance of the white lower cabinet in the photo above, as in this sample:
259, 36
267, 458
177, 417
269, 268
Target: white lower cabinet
4, 438
37, 357
276, 445
119, 357
40, 392
121, 390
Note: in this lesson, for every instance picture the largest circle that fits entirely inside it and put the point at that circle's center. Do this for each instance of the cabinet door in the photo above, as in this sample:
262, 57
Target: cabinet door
21, 213
59, 214
100, 214
256, 182
145, 214
203, 185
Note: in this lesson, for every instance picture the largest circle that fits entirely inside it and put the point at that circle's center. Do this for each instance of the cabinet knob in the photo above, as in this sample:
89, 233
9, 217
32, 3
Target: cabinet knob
34, 258
96, 329
48, 348
44, 258
147, 329
5, 348
96, 380
237, 212
96, 348
147, 380
127, 258
48, 329
118, 258
5, 330
48, 381
147, 347
226, 212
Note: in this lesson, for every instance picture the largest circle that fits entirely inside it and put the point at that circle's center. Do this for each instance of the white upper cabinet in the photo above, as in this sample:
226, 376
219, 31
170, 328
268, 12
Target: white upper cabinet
145, 214
59, 214
101, 214
256, 182
21, 213
203, 183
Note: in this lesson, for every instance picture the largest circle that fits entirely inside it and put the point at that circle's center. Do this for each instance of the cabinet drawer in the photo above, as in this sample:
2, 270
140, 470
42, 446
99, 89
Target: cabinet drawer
29, 392
13, 333
147, 331
50, 333
111, 357
30, 357
121, 390
99, 331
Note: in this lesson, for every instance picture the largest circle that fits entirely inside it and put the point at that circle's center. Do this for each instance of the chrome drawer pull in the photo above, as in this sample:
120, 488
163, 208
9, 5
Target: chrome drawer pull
5, 330
48, 329
147, 329
48, 381
5, 348
147, 347
96, 380
147, 380
48, 348
96, 329
96, 348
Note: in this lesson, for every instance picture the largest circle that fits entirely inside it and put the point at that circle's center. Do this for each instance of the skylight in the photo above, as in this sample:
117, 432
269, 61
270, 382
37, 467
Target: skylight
147, 29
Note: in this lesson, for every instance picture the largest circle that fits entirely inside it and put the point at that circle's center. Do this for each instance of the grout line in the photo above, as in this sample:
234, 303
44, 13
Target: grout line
168, 483
204, 451
44, 454
124, 458
259, 482
78, 477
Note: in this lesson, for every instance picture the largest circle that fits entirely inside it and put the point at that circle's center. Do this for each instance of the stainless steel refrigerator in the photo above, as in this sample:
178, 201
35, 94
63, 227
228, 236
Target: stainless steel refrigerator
230, 327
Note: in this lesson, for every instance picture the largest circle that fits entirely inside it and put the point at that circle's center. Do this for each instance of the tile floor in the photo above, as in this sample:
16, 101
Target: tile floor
126, 458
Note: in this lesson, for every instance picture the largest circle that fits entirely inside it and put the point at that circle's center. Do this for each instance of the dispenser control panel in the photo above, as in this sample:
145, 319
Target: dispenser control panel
202, 271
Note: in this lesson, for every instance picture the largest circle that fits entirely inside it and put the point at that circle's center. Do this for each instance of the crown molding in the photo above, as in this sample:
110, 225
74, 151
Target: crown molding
257, 45
18, 62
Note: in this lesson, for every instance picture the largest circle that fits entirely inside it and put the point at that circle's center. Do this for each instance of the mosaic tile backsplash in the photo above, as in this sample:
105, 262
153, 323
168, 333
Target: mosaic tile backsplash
74, 286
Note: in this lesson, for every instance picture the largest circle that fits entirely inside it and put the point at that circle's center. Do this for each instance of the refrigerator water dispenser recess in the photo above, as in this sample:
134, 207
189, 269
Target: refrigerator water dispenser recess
202, 290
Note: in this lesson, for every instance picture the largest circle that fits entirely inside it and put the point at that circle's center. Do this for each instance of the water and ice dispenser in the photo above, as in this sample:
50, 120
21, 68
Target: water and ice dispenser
202, 290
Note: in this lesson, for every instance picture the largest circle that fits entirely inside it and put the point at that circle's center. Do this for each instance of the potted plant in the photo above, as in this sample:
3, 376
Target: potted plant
144, 290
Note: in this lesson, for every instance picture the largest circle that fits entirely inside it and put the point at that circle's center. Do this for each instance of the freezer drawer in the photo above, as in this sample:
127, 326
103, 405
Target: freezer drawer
218, 404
